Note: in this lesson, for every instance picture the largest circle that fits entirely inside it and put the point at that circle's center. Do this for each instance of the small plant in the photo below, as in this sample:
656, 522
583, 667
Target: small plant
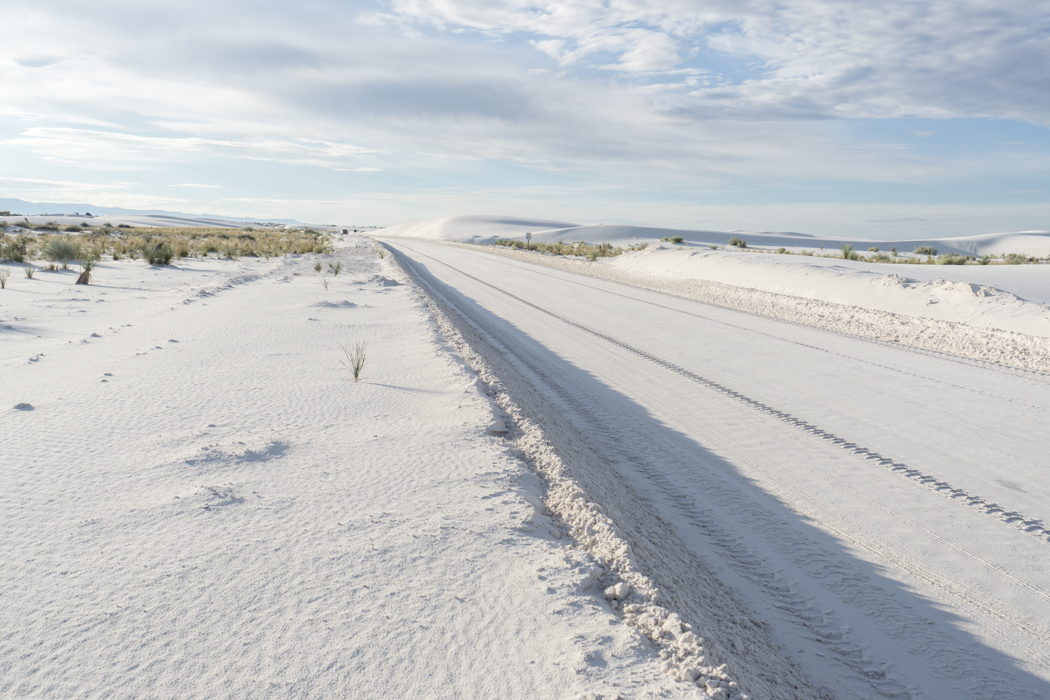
324, 281
951, 259
738, 242
4, 275
592, 256
29, 270
848, 253
336, 269
925, 250
317, 267
86, 266
673, 239
782, 251
873, 249
714, 247
893, 252
984, 260
355, 357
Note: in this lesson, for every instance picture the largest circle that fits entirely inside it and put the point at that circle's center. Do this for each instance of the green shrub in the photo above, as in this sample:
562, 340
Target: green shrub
848, 253
782, 251
61, 250
738, 242
873, 249
951, 259
925, 250
159, 254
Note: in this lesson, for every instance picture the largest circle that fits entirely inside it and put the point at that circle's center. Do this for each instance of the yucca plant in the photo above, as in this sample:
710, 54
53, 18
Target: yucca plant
86, 266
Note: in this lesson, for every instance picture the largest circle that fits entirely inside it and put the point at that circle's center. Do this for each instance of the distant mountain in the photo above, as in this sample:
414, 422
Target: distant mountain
24, 208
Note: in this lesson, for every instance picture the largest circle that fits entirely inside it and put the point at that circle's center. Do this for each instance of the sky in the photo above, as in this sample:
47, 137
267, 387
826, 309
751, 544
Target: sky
897, 118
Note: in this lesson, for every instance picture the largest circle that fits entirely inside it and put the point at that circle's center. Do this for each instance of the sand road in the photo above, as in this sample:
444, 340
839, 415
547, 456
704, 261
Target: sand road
835, 517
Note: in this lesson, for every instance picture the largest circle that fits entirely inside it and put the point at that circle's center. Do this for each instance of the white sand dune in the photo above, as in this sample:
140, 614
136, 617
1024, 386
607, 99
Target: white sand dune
486, 229
475, 228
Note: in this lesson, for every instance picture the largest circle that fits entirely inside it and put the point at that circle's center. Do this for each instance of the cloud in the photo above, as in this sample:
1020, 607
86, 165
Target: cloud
625, 96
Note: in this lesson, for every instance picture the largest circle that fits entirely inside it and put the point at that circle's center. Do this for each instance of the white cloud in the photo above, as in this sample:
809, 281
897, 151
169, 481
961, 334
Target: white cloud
631, 94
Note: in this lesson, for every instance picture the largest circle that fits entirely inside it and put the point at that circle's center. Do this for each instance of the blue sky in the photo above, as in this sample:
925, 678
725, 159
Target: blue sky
882, 119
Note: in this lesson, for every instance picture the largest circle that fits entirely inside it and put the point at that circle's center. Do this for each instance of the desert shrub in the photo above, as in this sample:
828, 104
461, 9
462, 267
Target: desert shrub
925, 250
336, 269
951, 259
61, 250
317, 267
848, 253
29, 270
15, 251
984, 260
738, 242
182, 249
673, 239
1018, 259
4, 275
881, 257
159, 254
782, 251
873, 249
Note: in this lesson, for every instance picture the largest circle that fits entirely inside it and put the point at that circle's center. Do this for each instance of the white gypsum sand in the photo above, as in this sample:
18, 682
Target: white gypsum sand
196, 499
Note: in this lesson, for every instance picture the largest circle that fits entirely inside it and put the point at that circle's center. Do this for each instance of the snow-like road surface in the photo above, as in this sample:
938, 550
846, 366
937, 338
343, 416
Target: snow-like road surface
836, 518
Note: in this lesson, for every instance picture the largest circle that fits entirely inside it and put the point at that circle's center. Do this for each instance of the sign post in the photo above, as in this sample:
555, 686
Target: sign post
528, 240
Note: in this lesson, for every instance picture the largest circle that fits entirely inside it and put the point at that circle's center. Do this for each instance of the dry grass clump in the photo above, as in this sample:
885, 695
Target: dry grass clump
354, 354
